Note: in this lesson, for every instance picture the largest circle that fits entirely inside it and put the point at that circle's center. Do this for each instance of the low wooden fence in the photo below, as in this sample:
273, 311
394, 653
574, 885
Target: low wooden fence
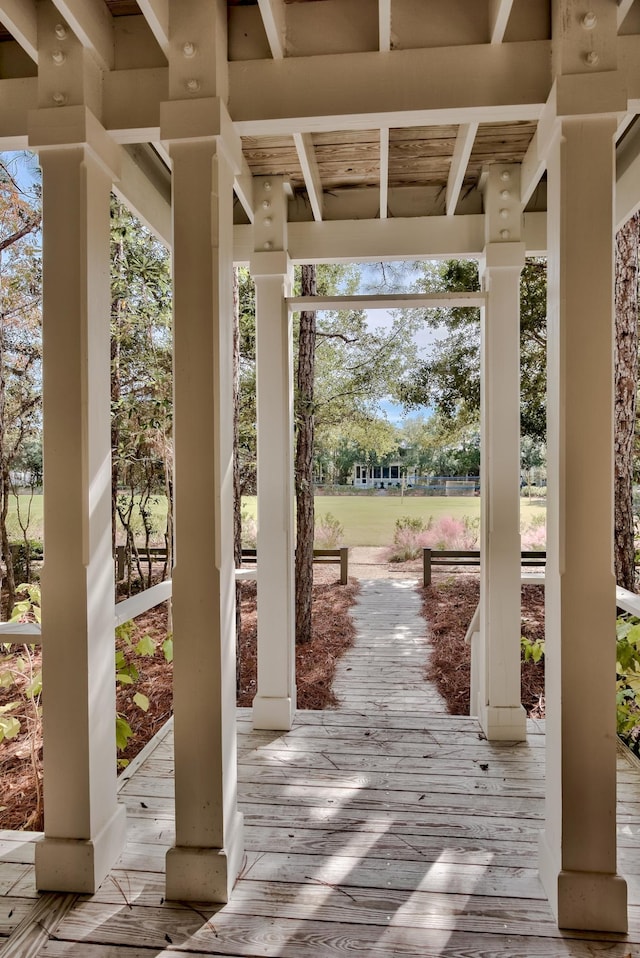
467, 557
320, 556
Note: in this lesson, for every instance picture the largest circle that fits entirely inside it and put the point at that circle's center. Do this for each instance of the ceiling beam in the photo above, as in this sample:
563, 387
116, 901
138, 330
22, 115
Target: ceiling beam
384, 25
310, 172
459, 162
273, 18
384, 173
243, 186
20, 19
156, 13
623, 9
386, 301
92, 23
481, 83
499, 13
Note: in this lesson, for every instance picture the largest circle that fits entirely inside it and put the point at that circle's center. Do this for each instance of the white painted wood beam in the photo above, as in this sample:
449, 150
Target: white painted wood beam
384, 25
273, 18
92, 23
623, 9
17, 99
372, 240
143, 191
499, 13
19, 17
459, 161
388, 301
307, 156
156, 13
243, 187
384, 173
476, 83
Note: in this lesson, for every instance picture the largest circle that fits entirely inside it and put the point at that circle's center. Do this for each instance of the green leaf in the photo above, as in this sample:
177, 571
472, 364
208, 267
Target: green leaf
123, 733
34, 687
167, 649
6, 680
8, 708
124, 678
9, 727
141, 701
146, 646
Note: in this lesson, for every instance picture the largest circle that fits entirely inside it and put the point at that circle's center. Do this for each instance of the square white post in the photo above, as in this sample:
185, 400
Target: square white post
84, 825
495, 686
206, 859
578, 847
275, 702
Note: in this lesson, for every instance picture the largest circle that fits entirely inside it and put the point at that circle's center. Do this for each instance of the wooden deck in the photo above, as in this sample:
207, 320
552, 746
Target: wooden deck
382, 834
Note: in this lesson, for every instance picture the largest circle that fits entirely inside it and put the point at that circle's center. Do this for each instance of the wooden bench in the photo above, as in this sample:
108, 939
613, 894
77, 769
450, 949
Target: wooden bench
467, 557
320, 556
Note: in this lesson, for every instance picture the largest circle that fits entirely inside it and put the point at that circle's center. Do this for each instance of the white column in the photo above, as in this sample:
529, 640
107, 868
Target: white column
495, 690
207, 855
275, 702
84, 825
578, 847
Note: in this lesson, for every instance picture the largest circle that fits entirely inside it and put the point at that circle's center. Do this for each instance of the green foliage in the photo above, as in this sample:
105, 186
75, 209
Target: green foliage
449, 380
412, 523
532, 649
628, 675
9, 724
329, 532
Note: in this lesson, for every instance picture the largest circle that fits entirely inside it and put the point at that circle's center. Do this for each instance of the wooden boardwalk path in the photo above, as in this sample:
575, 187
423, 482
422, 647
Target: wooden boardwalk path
384, 669
386, 829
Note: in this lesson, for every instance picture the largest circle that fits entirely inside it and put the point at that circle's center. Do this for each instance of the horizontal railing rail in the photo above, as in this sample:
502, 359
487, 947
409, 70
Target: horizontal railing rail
468, 557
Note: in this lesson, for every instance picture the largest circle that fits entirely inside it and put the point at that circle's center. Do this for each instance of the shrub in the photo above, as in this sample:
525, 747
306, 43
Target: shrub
534, 535
249, 534
329, 532
411, 536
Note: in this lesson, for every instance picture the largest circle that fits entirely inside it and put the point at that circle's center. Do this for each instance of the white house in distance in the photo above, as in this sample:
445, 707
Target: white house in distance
394, 474
278, 133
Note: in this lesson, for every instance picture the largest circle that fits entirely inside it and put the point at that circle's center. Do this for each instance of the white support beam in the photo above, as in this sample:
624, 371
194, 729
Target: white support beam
156, 13
476, 83
384, 25
243, 187
273, 18
499, 13
623, 9
371, 240
384, 172
92, 23
143, 191
459, 161
386, 301
17, 99
307, 156
19, 17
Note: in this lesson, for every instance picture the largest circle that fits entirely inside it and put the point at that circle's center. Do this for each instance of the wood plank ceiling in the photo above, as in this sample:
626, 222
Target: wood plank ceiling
444, 161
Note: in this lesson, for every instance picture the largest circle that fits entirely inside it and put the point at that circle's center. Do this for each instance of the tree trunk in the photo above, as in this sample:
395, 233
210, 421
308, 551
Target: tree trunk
237, 490
304, 462
626, 384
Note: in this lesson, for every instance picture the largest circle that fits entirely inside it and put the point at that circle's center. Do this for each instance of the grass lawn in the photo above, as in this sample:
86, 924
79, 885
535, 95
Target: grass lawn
370, 520
367, 520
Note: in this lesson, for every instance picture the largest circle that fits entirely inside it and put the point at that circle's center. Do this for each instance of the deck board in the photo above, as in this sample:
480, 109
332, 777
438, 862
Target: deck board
386, 834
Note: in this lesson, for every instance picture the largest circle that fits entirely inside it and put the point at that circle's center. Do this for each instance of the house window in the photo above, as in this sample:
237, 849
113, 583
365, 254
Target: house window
357, 472
385, 472
395, 472
376, 472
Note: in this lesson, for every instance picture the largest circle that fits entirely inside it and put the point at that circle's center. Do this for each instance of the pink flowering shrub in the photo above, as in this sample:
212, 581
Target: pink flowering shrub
533, 536
411, 536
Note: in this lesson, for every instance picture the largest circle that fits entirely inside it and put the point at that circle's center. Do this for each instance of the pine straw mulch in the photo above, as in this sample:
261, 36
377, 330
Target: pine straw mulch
333, 633
448, 606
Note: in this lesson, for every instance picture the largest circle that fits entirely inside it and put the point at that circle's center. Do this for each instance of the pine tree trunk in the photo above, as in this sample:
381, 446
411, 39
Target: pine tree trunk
237, 491
626, 384
304, 462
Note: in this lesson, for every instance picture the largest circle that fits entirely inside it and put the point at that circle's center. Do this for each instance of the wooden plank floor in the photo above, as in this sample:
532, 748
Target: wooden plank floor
367, 834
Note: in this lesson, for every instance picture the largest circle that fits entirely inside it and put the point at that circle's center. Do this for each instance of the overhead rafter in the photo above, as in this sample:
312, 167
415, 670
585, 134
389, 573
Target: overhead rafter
384, 25
310, 172
273, 18
243, 186
20, 19
623, 9
499, 13
156, 13
386, 301
459, 162
92, 23
384, 173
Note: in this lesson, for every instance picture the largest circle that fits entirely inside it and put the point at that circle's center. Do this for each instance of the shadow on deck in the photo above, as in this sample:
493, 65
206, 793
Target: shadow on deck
372, 835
